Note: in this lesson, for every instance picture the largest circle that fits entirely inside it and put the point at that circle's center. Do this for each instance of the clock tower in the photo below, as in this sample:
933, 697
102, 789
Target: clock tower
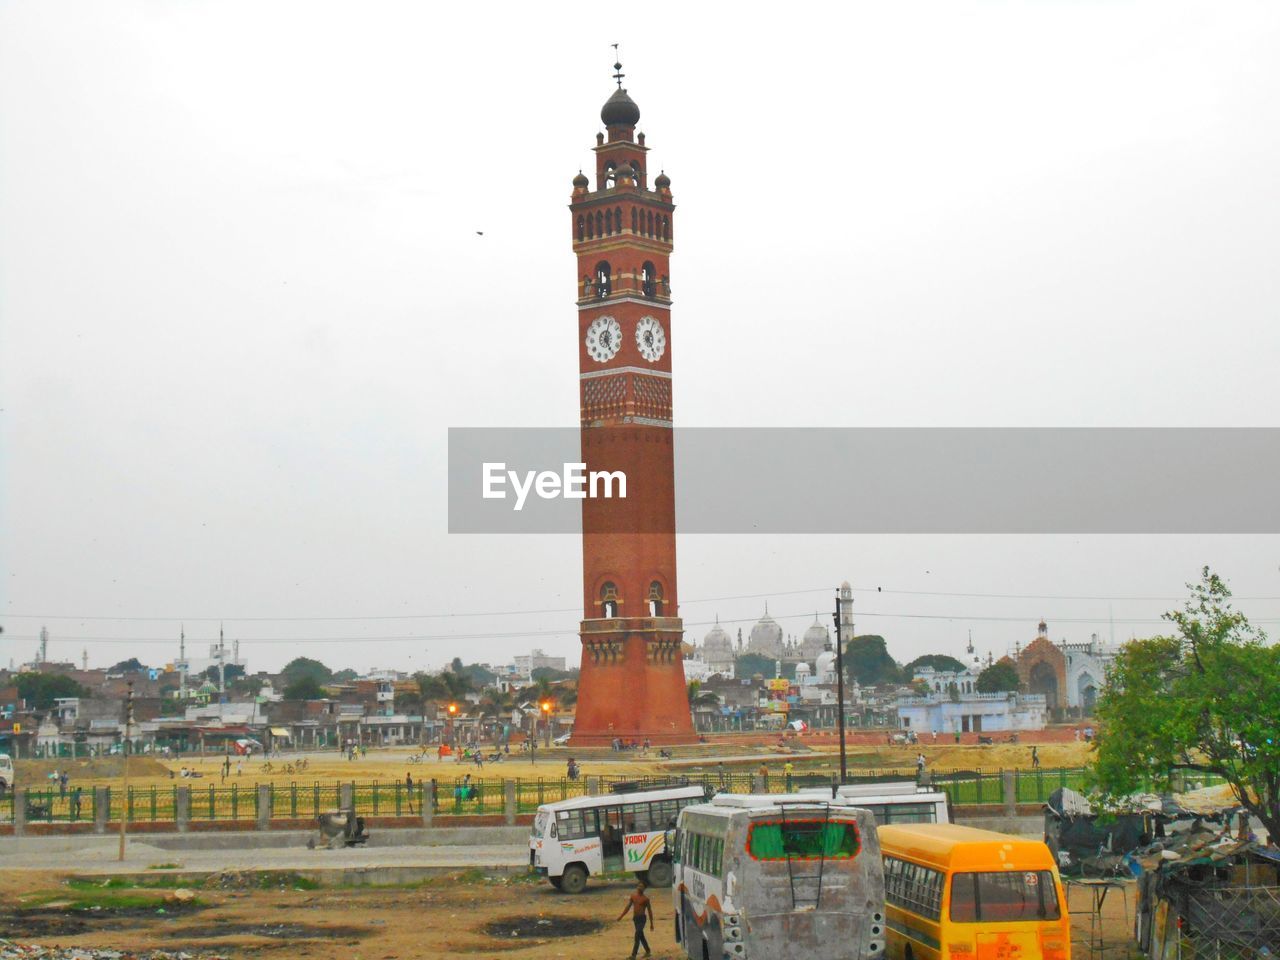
631, 684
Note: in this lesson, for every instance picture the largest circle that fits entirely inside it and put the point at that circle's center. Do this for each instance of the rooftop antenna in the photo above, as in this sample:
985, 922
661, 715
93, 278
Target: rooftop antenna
617, 66
182, 662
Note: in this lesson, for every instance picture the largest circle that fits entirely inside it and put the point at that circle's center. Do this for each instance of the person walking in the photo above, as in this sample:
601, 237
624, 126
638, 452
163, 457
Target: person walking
640, 907
1035, 758
920, 764
408, 785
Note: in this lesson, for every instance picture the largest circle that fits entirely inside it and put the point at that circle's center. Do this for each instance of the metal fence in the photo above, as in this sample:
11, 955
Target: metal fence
466, 795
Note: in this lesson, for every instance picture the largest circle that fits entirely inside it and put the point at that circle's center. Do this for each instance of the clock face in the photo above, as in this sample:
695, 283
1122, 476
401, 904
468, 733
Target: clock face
651, 339
604, 338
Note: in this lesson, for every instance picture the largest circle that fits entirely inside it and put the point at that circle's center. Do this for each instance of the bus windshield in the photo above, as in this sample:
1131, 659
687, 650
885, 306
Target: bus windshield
778, 840
1005, 896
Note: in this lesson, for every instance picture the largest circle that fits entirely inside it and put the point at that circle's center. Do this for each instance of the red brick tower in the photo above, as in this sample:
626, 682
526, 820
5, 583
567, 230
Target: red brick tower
632, 681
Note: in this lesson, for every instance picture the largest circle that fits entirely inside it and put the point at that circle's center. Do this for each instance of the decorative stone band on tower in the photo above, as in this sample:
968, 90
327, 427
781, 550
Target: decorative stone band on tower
632, 682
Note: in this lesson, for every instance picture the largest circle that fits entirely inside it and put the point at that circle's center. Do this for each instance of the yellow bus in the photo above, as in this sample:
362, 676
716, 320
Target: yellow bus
956, 893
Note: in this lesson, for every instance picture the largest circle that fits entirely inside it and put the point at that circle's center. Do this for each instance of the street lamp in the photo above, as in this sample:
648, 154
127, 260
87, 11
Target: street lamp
546, 714
453, 712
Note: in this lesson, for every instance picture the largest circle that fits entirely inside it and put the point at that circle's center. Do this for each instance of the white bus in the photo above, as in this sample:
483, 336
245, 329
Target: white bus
892, 803
778, 876
585, 836
6, 773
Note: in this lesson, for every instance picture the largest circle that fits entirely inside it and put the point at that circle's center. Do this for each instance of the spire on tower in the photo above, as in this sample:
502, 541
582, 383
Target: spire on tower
617, 67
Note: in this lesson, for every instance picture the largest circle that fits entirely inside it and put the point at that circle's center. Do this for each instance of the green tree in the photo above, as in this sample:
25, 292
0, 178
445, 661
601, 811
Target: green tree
345, 675
304, 687
938, 661
867, 660
749, 664
1206, 698
40, 690
305, 667
132, 665
229, 670
999, 677
445, 686
702, 698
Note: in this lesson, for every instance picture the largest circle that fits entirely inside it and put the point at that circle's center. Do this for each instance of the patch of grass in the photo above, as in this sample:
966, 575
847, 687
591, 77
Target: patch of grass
164, 866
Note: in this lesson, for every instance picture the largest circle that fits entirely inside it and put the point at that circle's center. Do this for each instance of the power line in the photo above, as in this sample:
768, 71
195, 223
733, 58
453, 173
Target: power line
825, 591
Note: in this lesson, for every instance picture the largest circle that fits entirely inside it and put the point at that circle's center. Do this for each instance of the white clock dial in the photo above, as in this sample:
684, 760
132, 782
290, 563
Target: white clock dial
651, 339
604, 338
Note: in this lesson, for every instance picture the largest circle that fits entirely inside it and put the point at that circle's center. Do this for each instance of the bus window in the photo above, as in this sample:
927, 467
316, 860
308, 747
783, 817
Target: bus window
907, 813
777, 840
1006, 896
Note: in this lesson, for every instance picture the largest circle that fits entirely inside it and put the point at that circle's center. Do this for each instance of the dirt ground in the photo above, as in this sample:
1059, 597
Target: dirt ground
460, 916
392, 764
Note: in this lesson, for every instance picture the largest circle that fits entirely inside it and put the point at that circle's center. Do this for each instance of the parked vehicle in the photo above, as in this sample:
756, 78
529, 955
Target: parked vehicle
898, 802
6, 773
586, 836
782, 876
981, 893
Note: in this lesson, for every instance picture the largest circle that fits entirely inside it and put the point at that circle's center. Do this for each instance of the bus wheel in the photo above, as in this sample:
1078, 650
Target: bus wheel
659, 873
574, 879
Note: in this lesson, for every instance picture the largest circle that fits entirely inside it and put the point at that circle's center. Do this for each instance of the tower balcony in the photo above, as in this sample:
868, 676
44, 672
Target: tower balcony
602, 626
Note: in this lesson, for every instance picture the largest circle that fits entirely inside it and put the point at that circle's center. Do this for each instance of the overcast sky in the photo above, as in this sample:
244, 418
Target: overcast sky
242, 298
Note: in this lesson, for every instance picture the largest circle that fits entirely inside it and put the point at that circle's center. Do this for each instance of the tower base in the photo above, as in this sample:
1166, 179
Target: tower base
631, 683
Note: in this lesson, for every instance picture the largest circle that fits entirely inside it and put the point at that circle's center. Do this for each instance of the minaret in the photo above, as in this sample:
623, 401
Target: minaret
84, 658
44, 644
846, 613
631, 683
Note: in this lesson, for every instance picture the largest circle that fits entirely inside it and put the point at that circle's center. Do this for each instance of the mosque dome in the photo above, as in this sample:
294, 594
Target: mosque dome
663, 182
826, 671
620, 110
580, 182
766, 637
814, 640
717, 641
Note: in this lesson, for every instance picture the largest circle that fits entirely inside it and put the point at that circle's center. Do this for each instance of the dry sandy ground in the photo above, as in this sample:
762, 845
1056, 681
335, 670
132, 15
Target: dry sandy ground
451, 917
392, 764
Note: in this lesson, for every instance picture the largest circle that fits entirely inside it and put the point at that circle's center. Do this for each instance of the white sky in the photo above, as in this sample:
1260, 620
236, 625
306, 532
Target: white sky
242, 296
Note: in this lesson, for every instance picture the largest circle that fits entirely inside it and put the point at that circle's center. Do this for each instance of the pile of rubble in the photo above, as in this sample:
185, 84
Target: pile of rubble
30, 951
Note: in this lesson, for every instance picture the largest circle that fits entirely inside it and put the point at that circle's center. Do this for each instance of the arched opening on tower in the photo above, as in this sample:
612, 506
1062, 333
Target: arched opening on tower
655, 599
648, 279
1087, 688
609, 600
604, 279
1044, 680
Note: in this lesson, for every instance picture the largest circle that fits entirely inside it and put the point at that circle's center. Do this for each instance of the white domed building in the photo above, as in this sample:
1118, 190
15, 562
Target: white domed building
766, 638
717, 650
814, 641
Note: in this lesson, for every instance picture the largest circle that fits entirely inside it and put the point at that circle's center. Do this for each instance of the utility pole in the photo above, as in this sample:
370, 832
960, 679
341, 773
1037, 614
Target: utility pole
182, 664
222, 668
840, 690
124, 754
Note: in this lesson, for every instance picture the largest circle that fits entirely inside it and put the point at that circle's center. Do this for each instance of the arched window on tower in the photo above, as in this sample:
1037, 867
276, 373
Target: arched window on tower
649, 232
655, 599
591, 227
648, 279
608, 223
609, 600
666, 230
608, 173
599, 224
582, 226
604, 279
617, 218
635, 220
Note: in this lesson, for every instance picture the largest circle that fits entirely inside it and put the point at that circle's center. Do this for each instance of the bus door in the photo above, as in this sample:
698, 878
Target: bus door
611, 834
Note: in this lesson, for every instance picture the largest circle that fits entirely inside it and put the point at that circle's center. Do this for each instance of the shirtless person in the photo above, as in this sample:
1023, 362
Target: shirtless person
640, 907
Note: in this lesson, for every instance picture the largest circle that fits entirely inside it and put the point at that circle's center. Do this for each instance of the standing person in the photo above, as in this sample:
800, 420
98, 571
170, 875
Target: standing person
919, 764
75, 804
640, 907
62, 783
1035, 758
408, 785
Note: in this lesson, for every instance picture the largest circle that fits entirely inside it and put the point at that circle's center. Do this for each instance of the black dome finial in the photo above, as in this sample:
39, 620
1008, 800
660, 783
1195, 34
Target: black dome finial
617, 67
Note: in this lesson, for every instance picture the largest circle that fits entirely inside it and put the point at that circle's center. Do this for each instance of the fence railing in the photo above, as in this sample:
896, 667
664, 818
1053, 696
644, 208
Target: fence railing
465, 795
